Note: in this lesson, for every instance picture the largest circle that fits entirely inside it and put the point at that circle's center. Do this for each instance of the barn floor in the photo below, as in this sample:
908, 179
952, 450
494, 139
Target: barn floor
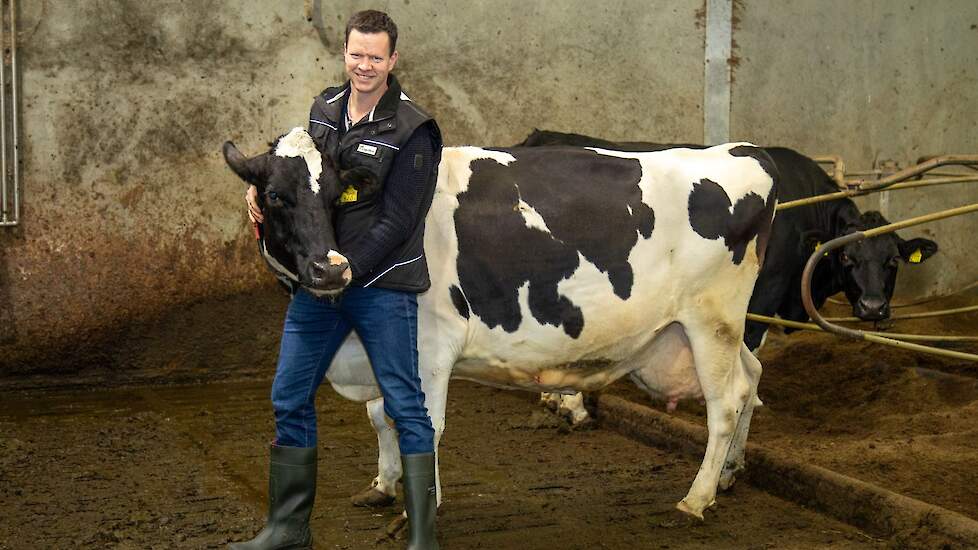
157, 438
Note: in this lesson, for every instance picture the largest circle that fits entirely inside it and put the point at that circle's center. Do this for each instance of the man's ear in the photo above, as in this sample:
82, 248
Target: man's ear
916, 250
251, 170
360, 178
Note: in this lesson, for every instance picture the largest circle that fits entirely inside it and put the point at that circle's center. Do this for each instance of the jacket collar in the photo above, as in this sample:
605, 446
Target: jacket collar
334, 100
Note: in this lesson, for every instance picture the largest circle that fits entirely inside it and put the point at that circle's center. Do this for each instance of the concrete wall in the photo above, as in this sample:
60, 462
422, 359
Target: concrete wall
129, 209
871, 80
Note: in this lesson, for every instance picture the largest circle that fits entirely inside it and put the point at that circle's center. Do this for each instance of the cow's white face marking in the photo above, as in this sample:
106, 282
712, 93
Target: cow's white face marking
298, 143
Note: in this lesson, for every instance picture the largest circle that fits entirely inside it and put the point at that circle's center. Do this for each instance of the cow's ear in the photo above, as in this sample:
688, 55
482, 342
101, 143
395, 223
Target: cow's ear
916, 250
252, 170
360, 178
812, 239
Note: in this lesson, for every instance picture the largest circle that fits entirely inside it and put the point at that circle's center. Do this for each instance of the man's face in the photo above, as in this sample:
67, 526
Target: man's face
368, 60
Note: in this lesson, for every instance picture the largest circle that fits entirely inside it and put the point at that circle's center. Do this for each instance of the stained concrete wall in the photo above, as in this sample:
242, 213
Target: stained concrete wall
871, 80
129, 210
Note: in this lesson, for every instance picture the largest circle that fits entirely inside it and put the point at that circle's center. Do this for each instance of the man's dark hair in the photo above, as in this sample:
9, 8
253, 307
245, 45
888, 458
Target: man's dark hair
372, 21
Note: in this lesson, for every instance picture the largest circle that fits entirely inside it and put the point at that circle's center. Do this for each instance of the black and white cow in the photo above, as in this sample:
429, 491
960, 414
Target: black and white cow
865, 271
564, 269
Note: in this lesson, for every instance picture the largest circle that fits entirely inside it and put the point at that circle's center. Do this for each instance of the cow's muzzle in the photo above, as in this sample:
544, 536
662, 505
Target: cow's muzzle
871, 309
329, 274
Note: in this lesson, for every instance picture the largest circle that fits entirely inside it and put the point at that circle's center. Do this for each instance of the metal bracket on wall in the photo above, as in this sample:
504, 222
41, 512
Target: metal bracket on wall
716, 77
9, 139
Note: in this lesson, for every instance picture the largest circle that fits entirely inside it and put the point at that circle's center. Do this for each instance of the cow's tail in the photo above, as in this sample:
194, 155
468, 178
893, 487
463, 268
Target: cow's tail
770, 204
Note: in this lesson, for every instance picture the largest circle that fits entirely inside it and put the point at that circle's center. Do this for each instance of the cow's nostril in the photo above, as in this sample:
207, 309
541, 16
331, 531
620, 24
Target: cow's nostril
318, 270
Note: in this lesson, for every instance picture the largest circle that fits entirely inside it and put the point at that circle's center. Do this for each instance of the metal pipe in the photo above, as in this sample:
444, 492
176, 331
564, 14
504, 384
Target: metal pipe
859, 192
894, 335
921, 300
920, 315
821, 251
5, 219
14, 118
838, 168
907, 173
3, 126
896, 226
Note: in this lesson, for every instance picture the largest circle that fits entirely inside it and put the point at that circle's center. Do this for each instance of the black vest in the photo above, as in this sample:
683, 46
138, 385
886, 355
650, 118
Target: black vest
373, 143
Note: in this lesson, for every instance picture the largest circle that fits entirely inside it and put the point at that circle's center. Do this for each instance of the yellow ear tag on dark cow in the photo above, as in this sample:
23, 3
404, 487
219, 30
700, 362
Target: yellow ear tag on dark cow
819, 245
916, 257
350, 195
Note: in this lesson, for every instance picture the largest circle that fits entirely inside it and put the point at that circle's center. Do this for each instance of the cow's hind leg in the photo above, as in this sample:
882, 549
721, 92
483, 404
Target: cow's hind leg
735, 456
383, 489
716, 347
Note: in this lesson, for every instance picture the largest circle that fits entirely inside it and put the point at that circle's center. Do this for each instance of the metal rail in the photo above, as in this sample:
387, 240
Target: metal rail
7, 220
919, 315
821, 251
894, 335
857, 192
838, 168
907, 173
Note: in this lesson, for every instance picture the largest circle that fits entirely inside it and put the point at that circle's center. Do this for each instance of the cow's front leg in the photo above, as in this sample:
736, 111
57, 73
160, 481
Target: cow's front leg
383, 489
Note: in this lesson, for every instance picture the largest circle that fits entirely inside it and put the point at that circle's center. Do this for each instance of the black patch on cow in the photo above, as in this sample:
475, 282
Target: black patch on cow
591, 204
459, 300
758, 154
711, 218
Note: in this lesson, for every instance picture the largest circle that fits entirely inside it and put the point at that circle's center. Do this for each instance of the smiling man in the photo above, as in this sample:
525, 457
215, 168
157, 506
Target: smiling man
370, 124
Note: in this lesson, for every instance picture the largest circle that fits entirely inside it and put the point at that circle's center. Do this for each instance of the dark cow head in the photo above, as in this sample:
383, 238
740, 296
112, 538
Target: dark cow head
297, 191
867, 270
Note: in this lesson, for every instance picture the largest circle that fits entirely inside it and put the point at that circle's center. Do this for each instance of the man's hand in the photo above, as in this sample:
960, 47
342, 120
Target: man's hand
254, 211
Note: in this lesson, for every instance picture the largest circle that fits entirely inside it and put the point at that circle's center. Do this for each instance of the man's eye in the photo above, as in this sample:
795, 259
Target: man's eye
377, 60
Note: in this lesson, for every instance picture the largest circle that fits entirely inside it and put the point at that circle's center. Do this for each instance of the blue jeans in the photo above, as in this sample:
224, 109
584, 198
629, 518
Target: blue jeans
387, 323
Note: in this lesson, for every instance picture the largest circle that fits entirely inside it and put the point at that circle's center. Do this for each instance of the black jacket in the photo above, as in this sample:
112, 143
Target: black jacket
375, 143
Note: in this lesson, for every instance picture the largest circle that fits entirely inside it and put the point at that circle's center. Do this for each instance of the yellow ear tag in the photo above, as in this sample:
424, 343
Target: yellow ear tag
350, 195
818, 245
916, 257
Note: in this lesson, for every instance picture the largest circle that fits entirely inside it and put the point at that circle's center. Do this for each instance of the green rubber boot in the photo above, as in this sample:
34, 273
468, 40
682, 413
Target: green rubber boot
420, 500
291, 491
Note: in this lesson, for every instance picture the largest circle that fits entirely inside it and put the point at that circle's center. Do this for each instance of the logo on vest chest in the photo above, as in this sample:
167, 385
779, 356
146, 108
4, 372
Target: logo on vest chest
369, 150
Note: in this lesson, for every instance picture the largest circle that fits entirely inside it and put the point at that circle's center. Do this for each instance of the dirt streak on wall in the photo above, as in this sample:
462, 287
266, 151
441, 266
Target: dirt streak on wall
128, 207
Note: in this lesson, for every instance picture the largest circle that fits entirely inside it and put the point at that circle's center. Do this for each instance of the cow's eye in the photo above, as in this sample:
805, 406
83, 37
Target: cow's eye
272, 196
844, 258
893, 262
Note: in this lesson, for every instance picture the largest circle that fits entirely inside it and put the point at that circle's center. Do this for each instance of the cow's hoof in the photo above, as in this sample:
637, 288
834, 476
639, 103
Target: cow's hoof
689, 510
582, 424
372, 498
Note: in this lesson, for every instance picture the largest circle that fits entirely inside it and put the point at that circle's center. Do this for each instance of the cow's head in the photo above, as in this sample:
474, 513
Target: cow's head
297, 191
867, 269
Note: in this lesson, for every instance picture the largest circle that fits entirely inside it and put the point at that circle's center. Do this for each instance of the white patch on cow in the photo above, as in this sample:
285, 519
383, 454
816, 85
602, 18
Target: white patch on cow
335, 258
531, 217
298, 143
456, 166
